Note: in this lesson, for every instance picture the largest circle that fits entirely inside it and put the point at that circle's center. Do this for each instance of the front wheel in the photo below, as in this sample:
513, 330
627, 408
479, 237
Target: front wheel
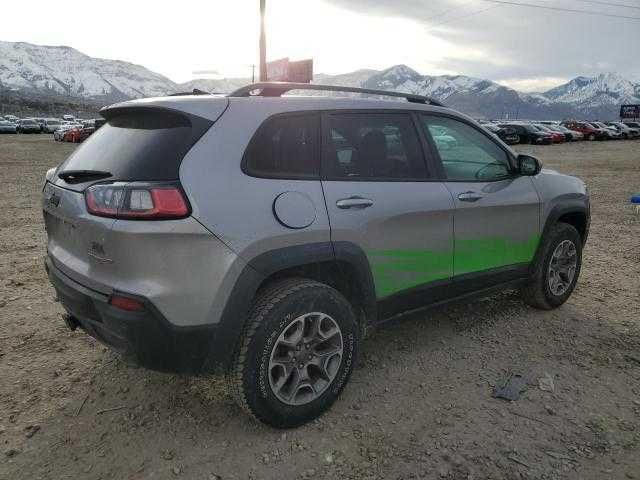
591, 137
556, 269
296, 354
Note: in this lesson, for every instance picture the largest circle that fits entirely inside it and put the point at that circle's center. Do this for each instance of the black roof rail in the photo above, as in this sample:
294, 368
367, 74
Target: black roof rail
195, 91
276, 89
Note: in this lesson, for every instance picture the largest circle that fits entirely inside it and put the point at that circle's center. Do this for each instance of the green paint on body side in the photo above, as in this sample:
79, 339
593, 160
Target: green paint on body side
483, 254
397, 270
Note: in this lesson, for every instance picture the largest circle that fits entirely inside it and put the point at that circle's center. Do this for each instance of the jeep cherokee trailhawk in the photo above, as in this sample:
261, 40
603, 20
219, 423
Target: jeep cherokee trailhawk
257, 235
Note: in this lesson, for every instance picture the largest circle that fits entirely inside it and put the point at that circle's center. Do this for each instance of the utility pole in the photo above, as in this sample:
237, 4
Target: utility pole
263, 44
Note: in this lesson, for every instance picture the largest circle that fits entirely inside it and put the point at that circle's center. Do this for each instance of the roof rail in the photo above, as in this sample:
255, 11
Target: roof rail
195, 91
276, 89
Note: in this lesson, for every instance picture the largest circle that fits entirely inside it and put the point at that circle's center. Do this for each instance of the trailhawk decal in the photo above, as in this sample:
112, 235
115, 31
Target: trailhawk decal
397, 270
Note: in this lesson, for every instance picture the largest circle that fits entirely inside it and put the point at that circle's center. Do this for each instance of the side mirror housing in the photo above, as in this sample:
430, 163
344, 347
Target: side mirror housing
528, 165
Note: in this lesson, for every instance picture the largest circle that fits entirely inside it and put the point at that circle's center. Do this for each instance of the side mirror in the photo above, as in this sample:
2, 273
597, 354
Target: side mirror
528, 165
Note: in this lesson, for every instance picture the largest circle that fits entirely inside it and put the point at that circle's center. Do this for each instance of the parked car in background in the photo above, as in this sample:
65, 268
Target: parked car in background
77, 134
528, 134
610, 133
50, 125
11, 118
632, 124
69, 118
575, 135
626, 131
589, 131
507, 134
29, 125
62, 129
556, 137
8, 127
568, 136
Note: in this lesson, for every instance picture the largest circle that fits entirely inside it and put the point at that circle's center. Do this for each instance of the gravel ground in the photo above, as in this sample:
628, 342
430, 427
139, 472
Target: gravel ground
419, 404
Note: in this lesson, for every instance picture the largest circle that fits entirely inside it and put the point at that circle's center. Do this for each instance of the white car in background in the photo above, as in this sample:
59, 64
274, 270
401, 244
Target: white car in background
627, 131
50, 125
8, 127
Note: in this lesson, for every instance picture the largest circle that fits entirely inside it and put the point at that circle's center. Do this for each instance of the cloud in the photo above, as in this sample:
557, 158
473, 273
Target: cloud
520, 44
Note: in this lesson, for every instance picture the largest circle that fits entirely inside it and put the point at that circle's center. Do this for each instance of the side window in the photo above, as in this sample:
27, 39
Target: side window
466, 154
373, 146
285, 147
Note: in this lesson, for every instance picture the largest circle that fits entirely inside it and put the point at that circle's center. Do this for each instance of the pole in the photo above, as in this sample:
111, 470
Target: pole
263, 44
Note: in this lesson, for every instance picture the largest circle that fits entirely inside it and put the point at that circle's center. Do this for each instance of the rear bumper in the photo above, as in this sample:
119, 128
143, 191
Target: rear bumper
145, 337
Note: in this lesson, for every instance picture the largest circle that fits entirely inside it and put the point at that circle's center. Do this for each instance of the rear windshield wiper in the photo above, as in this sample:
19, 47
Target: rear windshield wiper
77, 176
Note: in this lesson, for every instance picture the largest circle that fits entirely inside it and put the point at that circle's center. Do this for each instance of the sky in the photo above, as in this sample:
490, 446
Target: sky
525, 48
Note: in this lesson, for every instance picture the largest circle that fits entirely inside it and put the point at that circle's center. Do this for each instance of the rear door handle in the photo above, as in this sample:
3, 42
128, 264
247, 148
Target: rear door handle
469, 196
354, 202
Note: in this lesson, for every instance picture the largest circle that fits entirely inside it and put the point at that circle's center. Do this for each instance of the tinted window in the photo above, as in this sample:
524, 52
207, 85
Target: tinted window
285, 147
466, 153
139, 144
373, 146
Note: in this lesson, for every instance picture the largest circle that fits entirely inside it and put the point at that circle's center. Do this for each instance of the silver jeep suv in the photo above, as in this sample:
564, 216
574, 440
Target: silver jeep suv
257, 235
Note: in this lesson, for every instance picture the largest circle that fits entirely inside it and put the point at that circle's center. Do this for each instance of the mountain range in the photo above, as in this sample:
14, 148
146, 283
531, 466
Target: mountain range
57, 72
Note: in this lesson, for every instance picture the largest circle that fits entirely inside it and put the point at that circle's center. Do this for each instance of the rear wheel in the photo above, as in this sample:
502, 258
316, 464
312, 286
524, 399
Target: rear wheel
591, 137
296, 354
556, 269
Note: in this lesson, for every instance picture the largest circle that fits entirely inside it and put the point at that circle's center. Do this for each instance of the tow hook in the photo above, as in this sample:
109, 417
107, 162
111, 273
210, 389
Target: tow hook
70, 321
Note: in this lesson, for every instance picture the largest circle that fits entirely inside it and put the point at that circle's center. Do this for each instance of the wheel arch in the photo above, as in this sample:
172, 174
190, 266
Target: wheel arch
575, 213
342, 265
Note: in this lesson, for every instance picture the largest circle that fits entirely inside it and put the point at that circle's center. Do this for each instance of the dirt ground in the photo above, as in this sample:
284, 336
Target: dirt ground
419, 404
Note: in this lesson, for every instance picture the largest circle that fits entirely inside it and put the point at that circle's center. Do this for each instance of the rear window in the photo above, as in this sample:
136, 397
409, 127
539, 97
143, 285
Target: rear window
139, 144
285, 146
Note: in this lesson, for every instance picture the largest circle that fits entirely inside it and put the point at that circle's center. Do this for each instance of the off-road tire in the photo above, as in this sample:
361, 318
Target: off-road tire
274, 307
537, 292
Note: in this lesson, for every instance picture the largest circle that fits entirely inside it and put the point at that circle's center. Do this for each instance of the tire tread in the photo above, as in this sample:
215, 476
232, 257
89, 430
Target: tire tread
266, 300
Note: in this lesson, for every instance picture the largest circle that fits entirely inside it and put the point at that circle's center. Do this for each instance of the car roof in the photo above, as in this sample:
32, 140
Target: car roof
208, 106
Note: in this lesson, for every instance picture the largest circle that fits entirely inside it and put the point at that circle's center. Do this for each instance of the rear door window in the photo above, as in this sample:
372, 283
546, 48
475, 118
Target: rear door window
372, 146
139, 144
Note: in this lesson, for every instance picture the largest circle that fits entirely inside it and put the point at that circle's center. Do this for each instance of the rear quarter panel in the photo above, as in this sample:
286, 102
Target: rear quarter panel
236, 207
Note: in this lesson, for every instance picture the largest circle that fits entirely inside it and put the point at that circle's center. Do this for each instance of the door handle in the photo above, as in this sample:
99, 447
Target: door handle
469, 196
354, 202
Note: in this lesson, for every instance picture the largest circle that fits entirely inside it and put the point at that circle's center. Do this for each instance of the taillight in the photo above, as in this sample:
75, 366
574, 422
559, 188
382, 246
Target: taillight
140, 201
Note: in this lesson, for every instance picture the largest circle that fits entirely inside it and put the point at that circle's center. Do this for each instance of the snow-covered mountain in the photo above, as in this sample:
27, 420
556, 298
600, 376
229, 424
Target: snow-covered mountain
605, 89
35, 70
43, 72
598, 97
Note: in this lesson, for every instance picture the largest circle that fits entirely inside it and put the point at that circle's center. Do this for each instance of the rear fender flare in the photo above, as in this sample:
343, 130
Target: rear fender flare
264, 266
